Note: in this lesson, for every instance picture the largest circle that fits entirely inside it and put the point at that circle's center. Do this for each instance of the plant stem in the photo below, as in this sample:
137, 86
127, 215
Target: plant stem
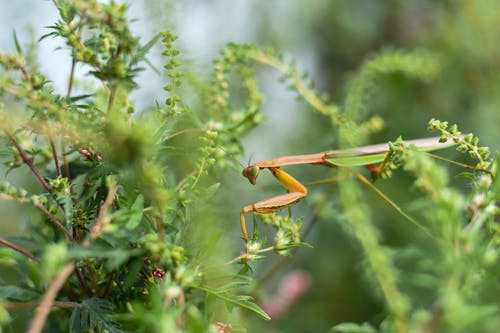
28, 161
56, 158
111, 99
18, 249
48, 298
102, 212
57, 223
71, 79
54, 220
29, 305
310, 96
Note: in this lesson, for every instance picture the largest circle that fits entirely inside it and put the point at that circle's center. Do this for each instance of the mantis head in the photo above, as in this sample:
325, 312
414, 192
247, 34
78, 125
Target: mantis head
251, 172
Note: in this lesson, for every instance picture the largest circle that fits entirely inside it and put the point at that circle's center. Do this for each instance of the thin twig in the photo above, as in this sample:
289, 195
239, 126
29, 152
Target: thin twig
393, 204
462, 165
65, 162
83, 282
71, 79
68, 97
112, 97
28, 161
237, 259
188, 130
54, 220
48, 298
102, 212
18, 249
108, 284
56, 158
29, 305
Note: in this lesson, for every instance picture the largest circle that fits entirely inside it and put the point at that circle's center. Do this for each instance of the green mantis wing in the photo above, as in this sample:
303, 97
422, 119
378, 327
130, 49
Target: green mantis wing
372, 154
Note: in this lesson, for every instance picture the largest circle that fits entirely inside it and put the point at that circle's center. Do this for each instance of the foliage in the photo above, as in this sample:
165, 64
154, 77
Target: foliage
123, 240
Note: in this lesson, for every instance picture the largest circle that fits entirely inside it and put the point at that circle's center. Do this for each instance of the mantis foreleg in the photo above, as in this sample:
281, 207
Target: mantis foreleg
296, 191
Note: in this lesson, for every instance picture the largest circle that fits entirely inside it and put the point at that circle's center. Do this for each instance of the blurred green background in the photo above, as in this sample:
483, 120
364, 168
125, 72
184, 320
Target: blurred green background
329, 40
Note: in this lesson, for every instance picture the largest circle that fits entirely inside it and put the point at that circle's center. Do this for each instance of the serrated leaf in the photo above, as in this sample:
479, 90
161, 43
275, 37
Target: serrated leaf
94, 315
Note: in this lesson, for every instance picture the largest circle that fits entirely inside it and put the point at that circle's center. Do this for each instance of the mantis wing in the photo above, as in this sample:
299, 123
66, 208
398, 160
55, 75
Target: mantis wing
372, 154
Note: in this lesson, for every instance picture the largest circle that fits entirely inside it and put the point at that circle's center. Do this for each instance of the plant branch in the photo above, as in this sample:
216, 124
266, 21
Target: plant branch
310, 96
96, 230
65, 162
29, 305
111, 99
48, 298
71, 79
18, 249
56, 158
28, 161
52, 218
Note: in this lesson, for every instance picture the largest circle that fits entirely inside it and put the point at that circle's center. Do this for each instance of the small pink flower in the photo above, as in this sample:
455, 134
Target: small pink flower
90, 155
85, 153
159, 273
292, 287
295, 284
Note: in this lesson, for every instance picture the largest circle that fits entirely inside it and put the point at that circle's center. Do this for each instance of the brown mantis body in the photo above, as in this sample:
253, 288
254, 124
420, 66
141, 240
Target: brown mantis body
366, 156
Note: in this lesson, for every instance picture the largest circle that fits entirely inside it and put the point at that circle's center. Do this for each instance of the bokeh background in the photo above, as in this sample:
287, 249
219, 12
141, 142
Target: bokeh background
329, 40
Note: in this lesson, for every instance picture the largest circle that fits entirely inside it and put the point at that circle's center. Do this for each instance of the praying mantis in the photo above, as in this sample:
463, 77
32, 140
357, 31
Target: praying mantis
366, 156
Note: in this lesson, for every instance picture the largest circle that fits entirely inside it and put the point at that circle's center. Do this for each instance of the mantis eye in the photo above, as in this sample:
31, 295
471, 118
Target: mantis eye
251, 173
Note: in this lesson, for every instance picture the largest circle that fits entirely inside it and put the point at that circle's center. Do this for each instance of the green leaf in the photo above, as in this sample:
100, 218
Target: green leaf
67, 203
353, 328
133, 269
18, 45
291, 245
136, 213
241, 301
94, 315
17, 293
115, 256
140, 55
80, 97
211, 190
